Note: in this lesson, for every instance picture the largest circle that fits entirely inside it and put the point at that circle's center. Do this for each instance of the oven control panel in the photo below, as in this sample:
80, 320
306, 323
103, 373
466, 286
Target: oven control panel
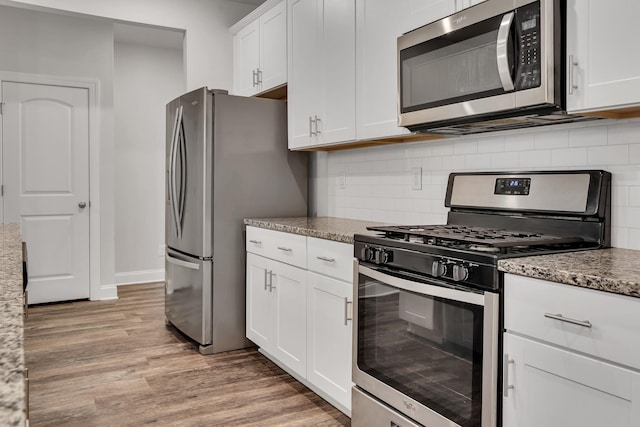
429, 266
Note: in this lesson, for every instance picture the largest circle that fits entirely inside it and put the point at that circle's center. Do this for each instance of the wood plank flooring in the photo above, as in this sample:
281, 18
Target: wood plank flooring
115, 363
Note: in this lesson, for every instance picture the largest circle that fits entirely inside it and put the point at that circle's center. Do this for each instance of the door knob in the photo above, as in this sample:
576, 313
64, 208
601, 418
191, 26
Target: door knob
82, 205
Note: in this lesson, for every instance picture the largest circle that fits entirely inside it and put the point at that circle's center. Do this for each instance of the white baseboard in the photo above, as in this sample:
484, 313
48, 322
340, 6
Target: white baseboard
105, 292
143, 276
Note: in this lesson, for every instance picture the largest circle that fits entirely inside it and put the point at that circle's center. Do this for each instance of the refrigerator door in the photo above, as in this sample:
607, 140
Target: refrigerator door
188, 173
188, 295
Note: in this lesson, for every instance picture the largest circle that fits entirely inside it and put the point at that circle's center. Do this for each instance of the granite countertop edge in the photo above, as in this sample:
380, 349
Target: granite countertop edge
328, 228
12, 364
611, 270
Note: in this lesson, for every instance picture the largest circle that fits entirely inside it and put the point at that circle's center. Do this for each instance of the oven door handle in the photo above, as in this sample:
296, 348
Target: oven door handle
424, 288
502, 52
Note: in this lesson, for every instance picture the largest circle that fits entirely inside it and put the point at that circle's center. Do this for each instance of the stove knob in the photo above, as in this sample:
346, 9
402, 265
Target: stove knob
460, 272
366, 253
438, 269
382, 256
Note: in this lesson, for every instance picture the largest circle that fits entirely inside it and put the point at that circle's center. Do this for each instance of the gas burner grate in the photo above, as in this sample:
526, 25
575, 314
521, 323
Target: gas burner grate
479, 239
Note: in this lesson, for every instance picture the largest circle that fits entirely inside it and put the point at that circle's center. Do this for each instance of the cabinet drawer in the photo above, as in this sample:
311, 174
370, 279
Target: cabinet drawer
614, 334
285, 247
330, 258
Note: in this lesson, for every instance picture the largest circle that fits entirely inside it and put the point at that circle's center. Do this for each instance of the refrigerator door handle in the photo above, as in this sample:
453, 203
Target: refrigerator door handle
173, 160
181, 263
183, 174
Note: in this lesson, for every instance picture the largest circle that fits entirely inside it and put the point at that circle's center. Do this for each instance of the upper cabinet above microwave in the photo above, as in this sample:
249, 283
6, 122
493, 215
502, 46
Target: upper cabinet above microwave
260, 49
603, 69
379, 23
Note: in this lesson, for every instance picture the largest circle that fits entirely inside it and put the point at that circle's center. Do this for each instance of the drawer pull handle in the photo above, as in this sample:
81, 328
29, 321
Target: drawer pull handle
282, 248
322, 258
348, 310
255, 242
560, 317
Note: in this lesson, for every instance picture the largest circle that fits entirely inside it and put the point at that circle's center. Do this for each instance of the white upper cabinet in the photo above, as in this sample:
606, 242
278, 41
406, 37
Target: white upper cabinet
321, 66
260, 51
463, 4
379, 24
603, 73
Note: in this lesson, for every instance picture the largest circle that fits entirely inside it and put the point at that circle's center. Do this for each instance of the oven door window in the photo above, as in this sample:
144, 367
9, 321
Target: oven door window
456, 67
428, 348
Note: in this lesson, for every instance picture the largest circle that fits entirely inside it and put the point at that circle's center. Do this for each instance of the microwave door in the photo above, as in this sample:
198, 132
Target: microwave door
458, 74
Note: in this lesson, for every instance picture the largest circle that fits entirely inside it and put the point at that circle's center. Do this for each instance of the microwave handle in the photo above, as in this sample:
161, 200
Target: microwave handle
502, 54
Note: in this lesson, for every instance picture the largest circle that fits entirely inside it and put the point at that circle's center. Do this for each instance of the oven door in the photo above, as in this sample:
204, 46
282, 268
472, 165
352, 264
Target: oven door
483, 60
428, 350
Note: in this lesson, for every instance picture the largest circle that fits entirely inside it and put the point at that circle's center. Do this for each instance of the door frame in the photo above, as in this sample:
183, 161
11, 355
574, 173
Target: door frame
96, 291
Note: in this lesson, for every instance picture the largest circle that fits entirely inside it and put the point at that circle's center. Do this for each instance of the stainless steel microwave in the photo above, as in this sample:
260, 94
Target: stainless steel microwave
497, 65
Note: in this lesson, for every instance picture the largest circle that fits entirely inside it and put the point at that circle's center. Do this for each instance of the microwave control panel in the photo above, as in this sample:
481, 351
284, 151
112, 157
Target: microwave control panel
528, 37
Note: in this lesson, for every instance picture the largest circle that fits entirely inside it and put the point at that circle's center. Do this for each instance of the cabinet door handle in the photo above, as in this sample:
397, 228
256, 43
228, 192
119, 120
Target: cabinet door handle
348, 313
323, 258
311, 122
255, 78
282, 248
572, 84
505, 375
266, 272
316, 122
259, 76
255, 242
271, 274
561, 318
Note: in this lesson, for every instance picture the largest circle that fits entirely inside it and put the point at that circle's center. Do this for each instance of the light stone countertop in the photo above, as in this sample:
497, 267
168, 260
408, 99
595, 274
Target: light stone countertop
12, 391
329, 228
611, 270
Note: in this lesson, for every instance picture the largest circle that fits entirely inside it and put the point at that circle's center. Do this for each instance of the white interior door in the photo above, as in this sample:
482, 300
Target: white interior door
45, 144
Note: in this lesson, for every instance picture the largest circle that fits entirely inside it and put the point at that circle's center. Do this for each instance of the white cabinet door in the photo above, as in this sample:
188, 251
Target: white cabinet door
246, 47
273, 48
259, 302
379, 23
329, 336
557, 388
337, 115
289, 287
304, 72
463, 4
321, 88
605, 72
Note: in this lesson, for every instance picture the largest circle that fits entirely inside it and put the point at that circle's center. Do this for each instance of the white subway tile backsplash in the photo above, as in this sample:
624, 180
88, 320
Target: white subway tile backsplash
519, 142
477, 161
568, 157
378, 178
504, 161
551, 139
608, 155
534, 159
584, 137
624, 134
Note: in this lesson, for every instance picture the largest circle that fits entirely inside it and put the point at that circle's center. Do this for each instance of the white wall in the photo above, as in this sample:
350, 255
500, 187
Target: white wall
145, 79
56, 45
69, 43
378, 181
208, 48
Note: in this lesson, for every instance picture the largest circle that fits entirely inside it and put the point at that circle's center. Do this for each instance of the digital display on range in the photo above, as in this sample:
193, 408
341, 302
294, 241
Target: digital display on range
513, 186
527, 25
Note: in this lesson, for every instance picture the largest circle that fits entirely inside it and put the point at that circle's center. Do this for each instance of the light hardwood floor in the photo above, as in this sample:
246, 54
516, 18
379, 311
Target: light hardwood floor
115, 363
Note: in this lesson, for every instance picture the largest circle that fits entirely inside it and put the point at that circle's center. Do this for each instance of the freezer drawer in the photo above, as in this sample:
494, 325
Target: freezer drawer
188, 298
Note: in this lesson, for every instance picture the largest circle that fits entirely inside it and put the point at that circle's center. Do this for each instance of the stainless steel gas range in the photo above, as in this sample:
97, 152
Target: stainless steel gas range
428, 298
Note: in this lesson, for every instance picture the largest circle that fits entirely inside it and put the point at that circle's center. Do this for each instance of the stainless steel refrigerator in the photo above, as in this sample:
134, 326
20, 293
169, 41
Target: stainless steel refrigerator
226, 160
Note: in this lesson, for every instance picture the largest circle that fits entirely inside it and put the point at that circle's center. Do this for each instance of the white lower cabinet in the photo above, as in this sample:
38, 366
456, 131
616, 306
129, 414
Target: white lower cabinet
570, 356
299, 318
329, 336
554, 387
276, 310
